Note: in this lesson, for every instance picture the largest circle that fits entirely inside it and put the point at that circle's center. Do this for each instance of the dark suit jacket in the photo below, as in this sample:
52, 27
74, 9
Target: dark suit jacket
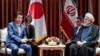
13, 34
31, 32
74, 34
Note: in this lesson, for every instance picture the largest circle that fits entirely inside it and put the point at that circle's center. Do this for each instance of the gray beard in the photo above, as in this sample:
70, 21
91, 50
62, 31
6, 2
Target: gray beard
84, 24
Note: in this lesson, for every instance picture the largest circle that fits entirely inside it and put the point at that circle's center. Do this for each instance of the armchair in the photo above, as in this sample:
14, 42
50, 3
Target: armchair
98, 47
4, 51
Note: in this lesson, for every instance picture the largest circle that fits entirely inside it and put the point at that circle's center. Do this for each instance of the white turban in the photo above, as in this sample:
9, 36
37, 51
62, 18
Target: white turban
90, 16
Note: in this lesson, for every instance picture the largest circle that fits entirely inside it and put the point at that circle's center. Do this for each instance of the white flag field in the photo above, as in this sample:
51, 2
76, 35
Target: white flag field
38, 19
68, 20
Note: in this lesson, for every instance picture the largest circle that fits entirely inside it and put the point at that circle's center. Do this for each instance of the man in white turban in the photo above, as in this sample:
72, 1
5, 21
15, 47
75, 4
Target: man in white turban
84, 42
89, 36
89, 19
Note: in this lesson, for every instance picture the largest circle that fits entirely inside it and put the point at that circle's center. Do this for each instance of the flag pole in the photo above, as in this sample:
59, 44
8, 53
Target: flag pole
59, 20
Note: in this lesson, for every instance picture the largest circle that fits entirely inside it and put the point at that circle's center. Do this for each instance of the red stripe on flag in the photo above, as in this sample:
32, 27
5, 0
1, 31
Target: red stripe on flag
67, 26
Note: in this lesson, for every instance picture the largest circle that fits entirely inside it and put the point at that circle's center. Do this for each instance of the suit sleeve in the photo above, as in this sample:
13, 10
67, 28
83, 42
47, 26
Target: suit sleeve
25, 35
33, 31
12, 35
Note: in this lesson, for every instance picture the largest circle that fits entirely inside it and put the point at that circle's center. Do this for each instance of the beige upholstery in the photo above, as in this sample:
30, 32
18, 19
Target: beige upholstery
2, 50
3, 35
98, 48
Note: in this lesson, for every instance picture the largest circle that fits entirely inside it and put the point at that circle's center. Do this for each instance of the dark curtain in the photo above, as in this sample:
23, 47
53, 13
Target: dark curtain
83, 7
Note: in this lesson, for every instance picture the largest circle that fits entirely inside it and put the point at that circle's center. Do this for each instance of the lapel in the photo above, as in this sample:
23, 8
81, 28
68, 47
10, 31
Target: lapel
28, 30
22, 28
79, 34
16, 29
76, 28
74, 37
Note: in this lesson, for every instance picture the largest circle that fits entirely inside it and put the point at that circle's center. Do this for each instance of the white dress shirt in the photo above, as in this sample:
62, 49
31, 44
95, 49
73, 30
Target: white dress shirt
19, 29
78, 29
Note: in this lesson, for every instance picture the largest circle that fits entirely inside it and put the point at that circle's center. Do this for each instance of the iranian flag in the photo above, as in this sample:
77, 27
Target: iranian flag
38, 19
68, 20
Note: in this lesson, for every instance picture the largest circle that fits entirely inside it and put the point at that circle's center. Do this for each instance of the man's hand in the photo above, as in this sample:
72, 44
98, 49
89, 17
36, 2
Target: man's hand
80, 43
68, 41
30, 40
24, 40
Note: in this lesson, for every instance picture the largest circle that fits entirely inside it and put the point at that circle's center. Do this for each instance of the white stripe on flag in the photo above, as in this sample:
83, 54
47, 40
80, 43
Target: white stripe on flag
38, 19
68, 19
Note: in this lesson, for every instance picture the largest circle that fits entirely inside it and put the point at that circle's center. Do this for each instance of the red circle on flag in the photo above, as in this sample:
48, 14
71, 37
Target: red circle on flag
36, 10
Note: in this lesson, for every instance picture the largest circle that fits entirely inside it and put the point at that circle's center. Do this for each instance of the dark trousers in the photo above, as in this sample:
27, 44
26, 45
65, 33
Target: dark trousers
34, 49
72, 49
15, 47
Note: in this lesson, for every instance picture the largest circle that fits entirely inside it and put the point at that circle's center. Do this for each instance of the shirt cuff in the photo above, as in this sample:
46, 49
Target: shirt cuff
84, 42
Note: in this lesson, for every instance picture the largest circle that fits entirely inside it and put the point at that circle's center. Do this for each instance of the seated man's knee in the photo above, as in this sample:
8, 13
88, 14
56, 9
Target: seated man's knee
13, 47
25, 46
72, 46
28, 46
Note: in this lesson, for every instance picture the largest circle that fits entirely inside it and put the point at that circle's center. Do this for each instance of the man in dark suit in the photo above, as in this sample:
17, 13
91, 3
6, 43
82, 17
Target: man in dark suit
79, 21
83, 43
17, 36
31, 34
